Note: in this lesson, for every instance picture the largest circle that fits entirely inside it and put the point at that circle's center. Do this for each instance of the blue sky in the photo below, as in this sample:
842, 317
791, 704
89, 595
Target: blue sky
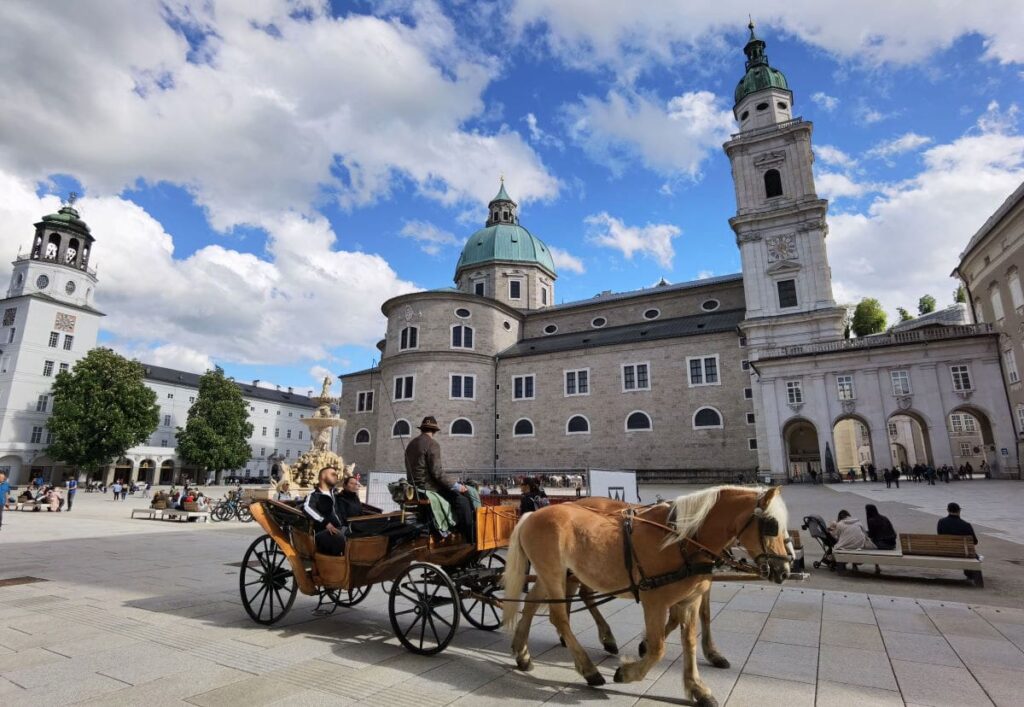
260, 176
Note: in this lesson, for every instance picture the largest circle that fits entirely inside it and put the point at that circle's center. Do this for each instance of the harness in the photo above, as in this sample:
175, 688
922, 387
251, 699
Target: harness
689, 569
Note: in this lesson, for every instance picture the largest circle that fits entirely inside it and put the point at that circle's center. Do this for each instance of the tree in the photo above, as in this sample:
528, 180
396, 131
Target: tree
868, 317
905, 316
926, 305
960, 294
216, 434
101, 409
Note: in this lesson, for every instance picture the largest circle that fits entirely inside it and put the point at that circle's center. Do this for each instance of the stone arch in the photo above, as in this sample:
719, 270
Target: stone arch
146, 470
851, 439
123, 469
166, 472
53, 247
986, 444
13, 465
911, 438
803, 449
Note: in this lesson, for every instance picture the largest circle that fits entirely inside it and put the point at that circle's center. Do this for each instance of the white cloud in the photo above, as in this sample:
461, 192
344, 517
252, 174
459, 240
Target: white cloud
669, 138
705, 274
824, 101
281, 105
653, 240
832, 185
566, 261
908, 142
909, 239
318, 373
431, 238
541, 137
302, 299
834, 156
870, 116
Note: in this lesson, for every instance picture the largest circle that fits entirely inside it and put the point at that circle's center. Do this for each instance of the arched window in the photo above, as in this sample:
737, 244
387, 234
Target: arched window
707, 418
577, 425
363, 436
638, 421
772, 183
409, 338
461, 428
462, 336
523, 428
401, 428
52, 247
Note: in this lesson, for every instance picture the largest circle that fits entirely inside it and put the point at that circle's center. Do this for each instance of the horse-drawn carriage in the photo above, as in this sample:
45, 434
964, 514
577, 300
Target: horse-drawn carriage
433, 580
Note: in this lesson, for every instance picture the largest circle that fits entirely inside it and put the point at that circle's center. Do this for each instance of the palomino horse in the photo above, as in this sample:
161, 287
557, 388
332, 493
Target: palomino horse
604, 631
662, 555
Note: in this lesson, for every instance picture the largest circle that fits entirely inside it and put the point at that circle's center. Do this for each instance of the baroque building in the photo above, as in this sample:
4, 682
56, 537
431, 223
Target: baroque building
701, 380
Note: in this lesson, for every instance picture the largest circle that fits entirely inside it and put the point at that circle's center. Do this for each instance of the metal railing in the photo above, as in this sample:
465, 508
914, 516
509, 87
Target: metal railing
880, 340
54, 261
767, 128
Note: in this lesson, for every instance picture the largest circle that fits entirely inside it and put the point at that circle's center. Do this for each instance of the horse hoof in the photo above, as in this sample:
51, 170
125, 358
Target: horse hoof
706, 701
595, 679
619, 677
562, 641
643, 648
611, 647
719, 661
524, 665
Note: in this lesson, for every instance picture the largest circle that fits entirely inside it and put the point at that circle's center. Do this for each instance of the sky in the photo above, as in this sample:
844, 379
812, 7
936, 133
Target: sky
261, 175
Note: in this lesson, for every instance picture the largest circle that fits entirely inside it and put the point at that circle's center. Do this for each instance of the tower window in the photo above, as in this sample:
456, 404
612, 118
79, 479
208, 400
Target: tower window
782, 105
762, 106
478, 288
408, 338
772, 183
787, 293
746, 114
515, 289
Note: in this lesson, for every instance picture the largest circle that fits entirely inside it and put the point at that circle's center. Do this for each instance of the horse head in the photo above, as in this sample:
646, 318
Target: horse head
765, 537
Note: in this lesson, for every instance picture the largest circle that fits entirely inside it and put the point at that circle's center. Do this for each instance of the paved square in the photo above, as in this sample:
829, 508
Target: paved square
145, 612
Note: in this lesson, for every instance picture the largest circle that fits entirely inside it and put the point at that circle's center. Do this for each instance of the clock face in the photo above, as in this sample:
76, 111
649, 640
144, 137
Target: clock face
42, 282
70, 287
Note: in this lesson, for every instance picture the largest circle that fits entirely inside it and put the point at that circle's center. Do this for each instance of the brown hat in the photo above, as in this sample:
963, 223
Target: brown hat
429, 424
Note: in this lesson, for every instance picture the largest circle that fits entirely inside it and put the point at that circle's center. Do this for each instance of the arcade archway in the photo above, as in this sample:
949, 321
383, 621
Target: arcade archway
852, 437
802, 451
971, 439
909, 441
123, 470
167, 473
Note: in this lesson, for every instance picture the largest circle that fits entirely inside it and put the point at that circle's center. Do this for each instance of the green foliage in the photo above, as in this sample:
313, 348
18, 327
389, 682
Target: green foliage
868, 317
926, 305
960, 294
216, 434
905, 316
101, 408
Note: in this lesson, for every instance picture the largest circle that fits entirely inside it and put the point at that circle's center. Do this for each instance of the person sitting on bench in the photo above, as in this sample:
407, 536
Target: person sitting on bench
953, 524
323, 506
423, 470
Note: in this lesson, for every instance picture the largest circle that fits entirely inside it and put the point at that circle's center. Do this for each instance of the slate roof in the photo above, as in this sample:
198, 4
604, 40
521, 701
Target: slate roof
994, 219
954, 315
656, 290
696, 325
185, 378
375, 369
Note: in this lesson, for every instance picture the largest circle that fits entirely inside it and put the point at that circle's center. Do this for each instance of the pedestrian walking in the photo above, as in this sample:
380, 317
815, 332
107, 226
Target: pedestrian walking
5, 488
72, 486
145, 490
116, 489
887, 476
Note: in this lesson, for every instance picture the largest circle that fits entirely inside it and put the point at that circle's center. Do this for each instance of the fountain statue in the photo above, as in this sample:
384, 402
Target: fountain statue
302, 475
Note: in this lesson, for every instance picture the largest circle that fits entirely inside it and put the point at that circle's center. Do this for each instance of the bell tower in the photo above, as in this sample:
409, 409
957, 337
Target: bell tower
780, 222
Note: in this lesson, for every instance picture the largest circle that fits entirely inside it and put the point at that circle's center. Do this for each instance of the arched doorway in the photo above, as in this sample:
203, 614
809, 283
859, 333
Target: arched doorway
167, 472
12, 466
909, 442
852, 438
123, 469
971, 439
802, 451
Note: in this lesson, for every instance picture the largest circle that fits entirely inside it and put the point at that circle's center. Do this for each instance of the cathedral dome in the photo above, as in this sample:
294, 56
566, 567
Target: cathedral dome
505, 242
68, 217
759, 74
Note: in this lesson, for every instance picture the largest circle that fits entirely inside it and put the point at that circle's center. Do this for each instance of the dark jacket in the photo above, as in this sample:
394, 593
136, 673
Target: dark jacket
532, 501
423, 464
322, 508
881, 532
348, 505
955, 525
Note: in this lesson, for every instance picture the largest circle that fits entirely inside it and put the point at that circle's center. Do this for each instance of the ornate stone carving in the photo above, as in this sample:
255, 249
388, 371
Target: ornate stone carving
965, 394
64, 322
302, 475
905, 402
849, 406
796, 407
781, 247
748, 238
767, 158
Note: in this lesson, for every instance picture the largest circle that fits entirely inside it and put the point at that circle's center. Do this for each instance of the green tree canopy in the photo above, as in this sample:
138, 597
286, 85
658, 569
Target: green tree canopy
905, 316
926, 305
101, 408
216, 435
960, 294
868, 317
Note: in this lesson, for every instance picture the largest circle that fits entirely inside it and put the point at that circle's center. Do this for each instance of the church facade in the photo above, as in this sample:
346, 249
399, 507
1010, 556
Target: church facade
704, 380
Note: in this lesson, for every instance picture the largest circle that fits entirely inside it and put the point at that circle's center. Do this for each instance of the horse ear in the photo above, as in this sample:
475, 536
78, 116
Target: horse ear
769, 496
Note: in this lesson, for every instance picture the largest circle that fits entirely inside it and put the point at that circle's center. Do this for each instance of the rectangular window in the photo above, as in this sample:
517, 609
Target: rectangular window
462, 337
37, 435
787, 293
900, 382
794, 392
1010, 358
1020, 418
68, 342
845, 386
192, 399
997, 303
300, 434
409, 338
42, 402
364, 401
1016, 294
577, 382
288, 434
64, 367
479, 288
10, 336
544, 295
965, 449
403, 387
750, 418
703, 370
170, 396
745, 365
743, 342
163, 443
54, 338
287, 452
264, 432
961, 377
277, 432
523, 387
893, 432
167, 420
47, 368
263, 451
515, 289
463, 387
748, 393
636, 376
752, 443
49, 437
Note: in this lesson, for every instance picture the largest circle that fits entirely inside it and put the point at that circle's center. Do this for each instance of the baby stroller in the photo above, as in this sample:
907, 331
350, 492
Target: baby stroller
816, 526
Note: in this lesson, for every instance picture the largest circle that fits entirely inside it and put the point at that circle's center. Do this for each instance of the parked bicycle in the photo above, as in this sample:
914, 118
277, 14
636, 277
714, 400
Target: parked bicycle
232, 508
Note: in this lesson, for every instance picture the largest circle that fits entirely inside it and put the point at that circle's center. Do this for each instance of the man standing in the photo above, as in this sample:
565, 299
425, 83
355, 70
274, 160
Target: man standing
72, 485
5, 488
423, 469
116, 489
322, 507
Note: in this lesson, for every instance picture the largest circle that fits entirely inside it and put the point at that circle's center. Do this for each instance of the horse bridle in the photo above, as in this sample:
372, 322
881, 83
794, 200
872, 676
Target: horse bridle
767, 526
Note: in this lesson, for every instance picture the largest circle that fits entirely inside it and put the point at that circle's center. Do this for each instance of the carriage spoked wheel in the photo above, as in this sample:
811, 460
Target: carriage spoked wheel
343, 597
424, 608
481, 613
266, 582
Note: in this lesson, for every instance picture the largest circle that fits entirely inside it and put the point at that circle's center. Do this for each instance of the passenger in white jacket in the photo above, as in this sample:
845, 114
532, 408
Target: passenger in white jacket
849, 533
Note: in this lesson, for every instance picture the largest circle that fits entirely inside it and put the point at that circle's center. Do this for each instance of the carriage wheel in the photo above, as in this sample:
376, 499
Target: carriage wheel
349, 597
266, 582
424, 608
483, 614
245, 514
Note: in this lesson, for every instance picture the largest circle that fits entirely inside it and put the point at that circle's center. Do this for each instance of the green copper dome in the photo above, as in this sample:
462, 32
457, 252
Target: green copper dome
759, 74
67, 216
505, 242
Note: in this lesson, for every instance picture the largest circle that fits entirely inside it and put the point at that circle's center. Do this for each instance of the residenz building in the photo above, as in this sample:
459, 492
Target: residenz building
700, 380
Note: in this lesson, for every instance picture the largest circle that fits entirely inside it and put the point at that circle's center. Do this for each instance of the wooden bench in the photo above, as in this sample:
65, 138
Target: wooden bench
953, 552
191, 511
148, 513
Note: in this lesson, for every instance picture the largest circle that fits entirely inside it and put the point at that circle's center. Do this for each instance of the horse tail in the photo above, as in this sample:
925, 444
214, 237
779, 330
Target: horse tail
516, 566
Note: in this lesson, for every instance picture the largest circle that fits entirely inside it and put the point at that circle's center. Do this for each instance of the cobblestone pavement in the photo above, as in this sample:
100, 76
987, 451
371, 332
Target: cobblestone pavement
146, 612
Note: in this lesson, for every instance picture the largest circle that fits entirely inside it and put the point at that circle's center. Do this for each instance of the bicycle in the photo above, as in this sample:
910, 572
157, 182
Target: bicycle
231, 508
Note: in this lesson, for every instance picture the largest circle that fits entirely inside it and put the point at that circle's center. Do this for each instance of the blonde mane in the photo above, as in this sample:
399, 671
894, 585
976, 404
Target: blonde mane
691, 510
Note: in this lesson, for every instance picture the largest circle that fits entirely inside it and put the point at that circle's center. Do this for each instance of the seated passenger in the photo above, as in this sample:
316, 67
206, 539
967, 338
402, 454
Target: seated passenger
880, 530
849, 533
322, 506
533, 498
284, 492
349, 505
